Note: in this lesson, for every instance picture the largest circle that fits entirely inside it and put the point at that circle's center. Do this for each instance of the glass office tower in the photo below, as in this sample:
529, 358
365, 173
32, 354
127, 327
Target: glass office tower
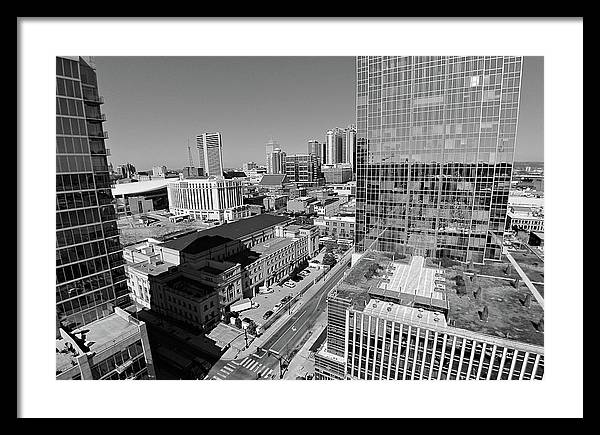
434, 154
90, 272
210, 153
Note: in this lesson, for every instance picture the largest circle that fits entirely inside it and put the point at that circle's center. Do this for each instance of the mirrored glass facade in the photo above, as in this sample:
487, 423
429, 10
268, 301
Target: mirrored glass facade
434, 153
90, 273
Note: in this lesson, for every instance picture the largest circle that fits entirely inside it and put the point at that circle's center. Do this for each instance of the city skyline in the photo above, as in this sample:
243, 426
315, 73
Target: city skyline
243, 97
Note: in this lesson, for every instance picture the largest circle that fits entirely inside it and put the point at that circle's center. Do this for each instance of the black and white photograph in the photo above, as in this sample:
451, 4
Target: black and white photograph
305, 214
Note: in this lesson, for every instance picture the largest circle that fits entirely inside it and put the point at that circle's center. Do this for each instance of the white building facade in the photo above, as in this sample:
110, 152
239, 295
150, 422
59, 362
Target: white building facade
209, 199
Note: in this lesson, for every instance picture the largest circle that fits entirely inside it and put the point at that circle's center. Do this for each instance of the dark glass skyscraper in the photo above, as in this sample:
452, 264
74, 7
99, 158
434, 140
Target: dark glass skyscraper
434, 154
90, 273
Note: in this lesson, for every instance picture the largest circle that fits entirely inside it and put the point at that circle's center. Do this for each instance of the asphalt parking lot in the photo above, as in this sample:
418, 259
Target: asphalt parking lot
267, 301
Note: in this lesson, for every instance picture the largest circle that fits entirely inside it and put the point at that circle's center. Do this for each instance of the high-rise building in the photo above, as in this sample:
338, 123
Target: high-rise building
340, 145
334, 146
275, 158
249, 166
350, 146
210, 153
435, 147
90, 277
159, 171
318, 149
303, 168
126, 170
95, 339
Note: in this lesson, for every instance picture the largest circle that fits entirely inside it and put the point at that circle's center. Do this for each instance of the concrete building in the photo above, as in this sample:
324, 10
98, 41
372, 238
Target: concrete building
525, 220
179, 295
337, 173
302, 204
207, 199
159, 171
112, 347
303, 169
408, 322
210, 153
232, 260
328, 207
275, 158
249, 165
336, 226
275, 202
319, 150
141, 196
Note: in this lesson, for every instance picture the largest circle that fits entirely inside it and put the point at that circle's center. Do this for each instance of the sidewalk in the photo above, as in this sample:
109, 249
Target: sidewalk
236, 351
301, 364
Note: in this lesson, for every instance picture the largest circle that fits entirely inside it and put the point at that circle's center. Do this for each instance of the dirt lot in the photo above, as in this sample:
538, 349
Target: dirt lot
131, 230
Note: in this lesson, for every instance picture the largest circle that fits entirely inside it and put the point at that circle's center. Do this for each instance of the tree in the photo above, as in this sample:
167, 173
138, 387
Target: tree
329, 259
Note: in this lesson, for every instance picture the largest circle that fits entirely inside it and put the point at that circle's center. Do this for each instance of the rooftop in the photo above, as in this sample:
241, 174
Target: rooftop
195, 243
233, 230
150, 268
139, 187
509, 315
273, 180
190, 286
106, 331
272, 245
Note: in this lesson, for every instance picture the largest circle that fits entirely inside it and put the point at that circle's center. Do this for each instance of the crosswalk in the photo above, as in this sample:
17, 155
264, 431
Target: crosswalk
248, 363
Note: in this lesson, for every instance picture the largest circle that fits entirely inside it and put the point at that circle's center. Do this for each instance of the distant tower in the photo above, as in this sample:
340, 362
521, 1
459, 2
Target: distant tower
210, 153
190, 158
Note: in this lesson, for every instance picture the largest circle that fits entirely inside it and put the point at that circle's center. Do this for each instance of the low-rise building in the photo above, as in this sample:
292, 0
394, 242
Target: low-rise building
328, 207
337, 173
113, 347
180, 296
302, 204
529, 220
336, 226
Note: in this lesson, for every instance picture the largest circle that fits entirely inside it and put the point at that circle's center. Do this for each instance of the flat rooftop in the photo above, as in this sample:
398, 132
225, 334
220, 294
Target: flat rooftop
272, 245
151, 269
105, 331
190, 286
402, 313
508, 313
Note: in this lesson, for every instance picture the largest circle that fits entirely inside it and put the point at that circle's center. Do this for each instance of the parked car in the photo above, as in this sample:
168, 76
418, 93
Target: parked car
285, 299
267, 314
290, 284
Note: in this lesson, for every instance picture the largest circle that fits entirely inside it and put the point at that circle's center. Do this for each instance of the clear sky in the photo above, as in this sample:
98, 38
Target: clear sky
154, 105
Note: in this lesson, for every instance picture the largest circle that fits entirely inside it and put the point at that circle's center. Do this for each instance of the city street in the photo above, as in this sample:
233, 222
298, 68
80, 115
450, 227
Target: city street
266, 360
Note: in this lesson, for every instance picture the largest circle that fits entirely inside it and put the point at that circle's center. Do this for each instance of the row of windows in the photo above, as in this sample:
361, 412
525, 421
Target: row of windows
68, 88
109, 364
78, 235
67, 67
73, 163
72, 145
65, 201
79, 270
80, 252
77, 182
78, 319
69, 107
71, 126
85, 302
65, 219
83, 286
